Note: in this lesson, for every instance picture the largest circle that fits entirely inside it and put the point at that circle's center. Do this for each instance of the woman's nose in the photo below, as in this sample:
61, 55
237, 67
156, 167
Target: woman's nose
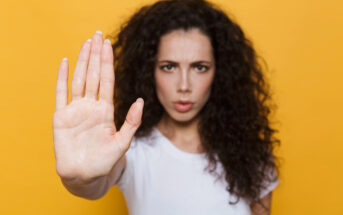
184, 82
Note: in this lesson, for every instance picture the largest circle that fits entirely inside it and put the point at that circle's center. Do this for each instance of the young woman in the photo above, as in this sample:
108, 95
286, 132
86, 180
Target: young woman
202, 145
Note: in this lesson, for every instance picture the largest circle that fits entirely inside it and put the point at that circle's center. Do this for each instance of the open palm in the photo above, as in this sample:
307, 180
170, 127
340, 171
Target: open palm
86, 142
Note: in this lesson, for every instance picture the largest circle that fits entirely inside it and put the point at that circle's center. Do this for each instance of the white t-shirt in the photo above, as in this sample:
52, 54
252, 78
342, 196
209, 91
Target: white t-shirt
161, 179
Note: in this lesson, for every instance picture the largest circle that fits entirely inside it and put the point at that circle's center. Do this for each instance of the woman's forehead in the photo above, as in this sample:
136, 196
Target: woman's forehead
181, 45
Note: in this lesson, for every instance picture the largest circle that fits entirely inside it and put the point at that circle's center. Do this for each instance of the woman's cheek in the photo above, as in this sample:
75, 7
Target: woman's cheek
164, 88
164, 85
204, 88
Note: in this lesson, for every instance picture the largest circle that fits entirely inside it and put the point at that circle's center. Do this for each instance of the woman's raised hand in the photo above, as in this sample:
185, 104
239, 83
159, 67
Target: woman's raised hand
86, 142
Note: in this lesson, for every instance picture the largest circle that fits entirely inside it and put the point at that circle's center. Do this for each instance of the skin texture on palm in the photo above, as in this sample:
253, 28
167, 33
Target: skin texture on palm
86, 142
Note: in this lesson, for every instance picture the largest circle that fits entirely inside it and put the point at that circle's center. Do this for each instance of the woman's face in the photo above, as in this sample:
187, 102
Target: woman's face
184, 72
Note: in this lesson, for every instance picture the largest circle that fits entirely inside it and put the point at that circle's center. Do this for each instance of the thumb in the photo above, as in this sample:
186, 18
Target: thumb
132, 122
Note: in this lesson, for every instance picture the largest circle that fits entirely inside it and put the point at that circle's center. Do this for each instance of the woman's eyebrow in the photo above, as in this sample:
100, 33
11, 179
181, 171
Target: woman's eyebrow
193, 63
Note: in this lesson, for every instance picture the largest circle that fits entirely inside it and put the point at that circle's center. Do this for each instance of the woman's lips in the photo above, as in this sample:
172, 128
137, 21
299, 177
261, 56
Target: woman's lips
183, 107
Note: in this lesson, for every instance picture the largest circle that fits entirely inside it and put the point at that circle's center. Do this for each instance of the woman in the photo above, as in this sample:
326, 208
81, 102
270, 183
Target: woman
203, 144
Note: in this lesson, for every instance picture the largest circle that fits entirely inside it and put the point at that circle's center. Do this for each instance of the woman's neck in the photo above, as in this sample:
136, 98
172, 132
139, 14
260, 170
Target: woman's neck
184, 135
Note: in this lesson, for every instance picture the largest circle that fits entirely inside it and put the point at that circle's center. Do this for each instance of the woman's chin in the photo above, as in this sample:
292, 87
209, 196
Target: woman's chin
185, 117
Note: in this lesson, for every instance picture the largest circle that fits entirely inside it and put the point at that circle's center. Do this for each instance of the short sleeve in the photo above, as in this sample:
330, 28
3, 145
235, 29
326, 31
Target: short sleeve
270, 186
127, 175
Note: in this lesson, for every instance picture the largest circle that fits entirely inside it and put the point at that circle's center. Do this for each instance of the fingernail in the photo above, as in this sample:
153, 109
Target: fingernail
89, 40
108, 41
65, 59
98, 32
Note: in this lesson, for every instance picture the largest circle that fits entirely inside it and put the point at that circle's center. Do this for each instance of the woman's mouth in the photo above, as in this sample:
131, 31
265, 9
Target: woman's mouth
183, 106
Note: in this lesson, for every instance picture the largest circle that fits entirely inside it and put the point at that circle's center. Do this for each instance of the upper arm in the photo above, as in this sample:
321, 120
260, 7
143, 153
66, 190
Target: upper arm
264, 209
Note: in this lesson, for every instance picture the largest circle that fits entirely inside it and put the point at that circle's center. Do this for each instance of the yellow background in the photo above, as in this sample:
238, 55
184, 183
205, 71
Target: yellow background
302, 42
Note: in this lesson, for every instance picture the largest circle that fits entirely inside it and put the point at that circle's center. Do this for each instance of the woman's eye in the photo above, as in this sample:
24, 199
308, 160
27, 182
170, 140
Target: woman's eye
170, 67
167, 67
201, 68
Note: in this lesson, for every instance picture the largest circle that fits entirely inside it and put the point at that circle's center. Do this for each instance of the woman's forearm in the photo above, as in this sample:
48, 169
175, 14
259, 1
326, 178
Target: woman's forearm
92, 190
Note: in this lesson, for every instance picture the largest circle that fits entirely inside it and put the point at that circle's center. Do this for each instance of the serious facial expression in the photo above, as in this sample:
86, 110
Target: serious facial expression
184, 72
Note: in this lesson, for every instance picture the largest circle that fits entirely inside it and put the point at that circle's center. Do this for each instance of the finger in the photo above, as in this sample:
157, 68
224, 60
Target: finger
79, 76
132, 122
93, 71
107, 73
62, 85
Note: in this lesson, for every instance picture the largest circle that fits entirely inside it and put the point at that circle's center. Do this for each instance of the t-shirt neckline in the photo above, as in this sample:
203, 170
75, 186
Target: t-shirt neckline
171, 148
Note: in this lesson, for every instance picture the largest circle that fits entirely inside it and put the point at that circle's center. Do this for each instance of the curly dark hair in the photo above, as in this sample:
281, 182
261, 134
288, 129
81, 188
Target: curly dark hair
234, 125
